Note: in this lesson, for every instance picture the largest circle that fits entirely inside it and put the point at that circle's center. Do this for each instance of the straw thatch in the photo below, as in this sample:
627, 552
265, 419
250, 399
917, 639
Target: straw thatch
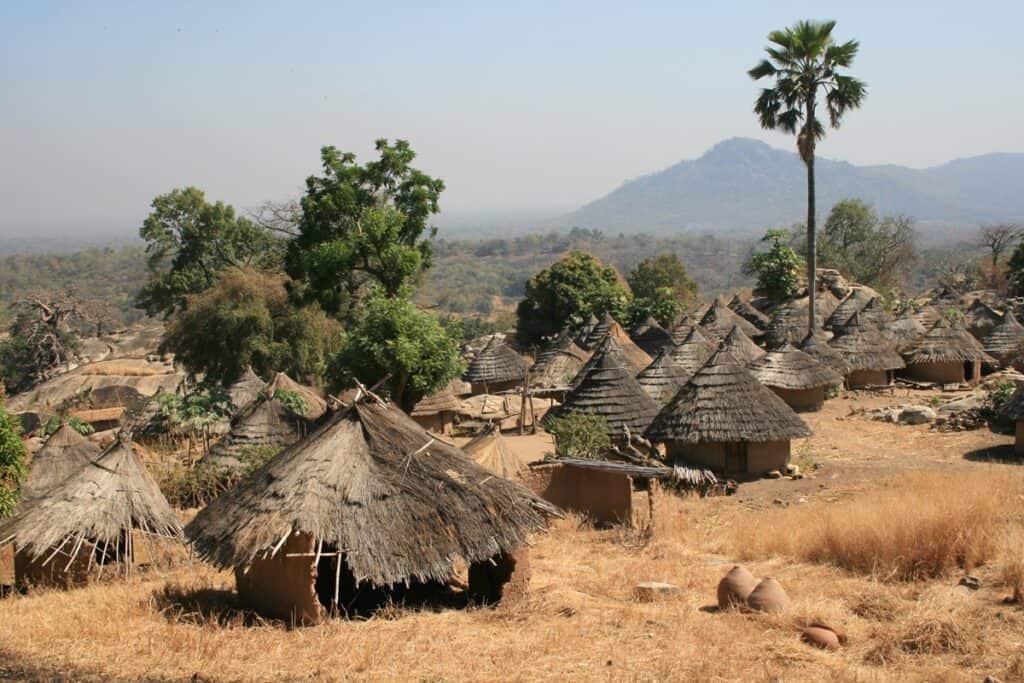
439, 402
864, 348
314, 406
792, 369
663, 378
693, 352
816, 346
740, 346
946, 343
64, 453
719, 321
853, 303
927, 316
95, 416
266, 423
1004, 341
245, 389
99, 503
651, 337
874, 312
748, 312
904, 330
559, 362
723, 403
789, 320
496, 363
682, 330
617, 342
598, 332
609, 389
401, 505
980, 318
490, 450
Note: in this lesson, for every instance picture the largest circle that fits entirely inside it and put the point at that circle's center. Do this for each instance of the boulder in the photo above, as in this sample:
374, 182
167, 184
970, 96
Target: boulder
655, 591
768, 596
820, 636
735, 587
917, 415
972, 401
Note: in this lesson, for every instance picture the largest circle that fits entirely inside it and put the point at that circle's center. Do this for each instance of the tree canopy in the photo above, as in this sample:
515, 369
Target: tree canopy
661, 288
778, 269
12, 462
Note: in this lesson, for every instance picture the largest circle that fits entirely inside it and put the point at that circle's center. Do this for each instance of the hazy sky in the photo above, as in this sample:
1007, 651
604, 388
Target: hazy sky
528, 107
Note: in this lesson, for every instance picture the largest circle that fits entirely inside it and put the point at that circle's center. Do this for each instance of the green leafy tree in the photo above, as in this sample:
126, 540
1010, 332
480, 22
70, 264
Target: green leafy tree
568, 292
247, 319
54, 423
363, 227
189, 242
12, 462
579, 434
1015, 271
778, 269
806, 64
395, 338
661, 288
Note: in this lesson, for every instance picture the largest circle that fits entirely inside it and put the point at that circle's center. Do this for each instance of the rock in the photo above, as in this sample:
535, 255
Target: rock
774, 474
972, 401
916, 415
792, 469
655, 591
735, 587
769, 597
821, 636
971, 582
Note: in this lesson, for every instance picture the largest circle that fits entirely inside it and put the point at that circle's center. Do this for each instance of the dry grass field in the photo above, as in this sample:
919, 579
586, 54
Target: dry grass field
874, 544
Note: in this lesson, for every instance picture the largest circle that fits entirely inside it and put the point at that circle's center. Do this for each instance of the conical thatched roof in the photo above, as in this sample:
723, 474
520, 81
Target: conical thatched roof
864, 348
980, 318
682, 330
64, 453
598, 332
496, 363
609, 389
874, 312
651, 337
559, 362
617, 342
719, 321
439, 402
584, 332
663, 377
723, 403
315, 405
1005, 339
245, 389
263, 424
372, 482
1013, 409
817, 348
853, 303
946, 343
748, 312
693, 352
98, 503
789, 320
927, 316
904, 330
491, 450
741, 346
791, 368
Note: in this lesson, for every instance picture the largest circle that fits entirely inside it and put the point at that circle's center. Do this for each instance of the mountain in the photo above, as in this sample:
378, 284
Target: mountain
743, 185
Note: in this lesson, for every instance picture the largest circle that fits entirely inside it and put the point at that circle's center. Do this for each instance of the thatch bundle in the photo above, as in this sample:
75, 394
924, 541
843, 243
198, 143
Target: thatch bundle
598, 332
980, 318
663, 378
874, 312
852, 303
741, 347
443, 401
1004, 341
65, 453
266, 423
400, 505
747, 312
864, 348
609, 389
723, 403
719, 321
792, 369
946, 343
693, 352
904, 330
651, 337
245, 389
99, 503
490, 450
816, 346
496, 363
559, 362
314, 406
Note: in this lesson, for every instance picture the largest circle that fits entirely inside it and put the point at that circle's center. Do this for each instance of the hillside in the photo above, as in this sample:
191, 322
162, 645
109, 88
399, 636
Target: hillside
743, 185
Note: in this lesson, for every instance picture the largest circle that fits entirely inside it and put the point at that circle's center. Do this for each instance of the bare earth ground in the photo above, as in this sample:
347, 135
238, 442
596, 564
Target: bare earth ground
581, 621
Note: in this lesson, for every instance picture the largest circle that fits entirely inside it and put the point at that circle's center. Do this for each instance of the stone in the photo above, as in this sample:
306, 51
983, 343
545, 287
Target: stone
820, 636
973, 401
917, 415
768, 596
655, 591
792, 469
735, 587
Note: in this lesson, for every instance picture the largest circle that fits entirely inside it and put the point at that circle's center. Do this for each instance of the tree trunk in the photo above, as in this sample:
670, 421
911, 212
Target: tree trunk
812, 247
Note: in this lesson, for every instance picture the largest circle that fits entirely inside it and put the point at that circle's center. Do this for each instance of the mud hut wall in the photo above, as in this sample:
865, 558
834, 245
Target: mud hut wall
495, 387
802, 400
709, 455
868, 378
31, 571
602, 496
1018, 442
759, 457
940, 373
767, 456
283, 587
439, 423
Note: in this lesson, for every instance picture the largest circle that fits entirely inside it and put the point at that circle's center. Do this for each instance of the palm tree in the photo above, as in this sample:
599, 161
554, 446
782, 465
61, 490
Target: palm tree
805, 61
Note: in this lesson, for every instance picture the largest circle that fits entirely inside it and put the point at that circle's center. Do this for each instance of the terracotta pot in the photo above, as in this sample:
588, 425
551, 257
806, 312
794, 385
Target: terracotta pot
734, 587
768, 596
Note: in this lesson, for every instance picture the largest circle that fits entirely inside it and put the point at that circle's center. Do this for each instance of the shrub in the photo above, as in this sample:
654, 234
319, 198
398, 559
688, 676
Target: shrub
12, 462
54, 423
579, 435
997, 396
192, 487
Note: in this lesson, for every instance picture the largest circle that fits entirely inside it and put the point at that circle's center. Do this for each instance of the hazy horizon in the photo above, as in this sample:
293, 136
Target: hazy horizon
525, 112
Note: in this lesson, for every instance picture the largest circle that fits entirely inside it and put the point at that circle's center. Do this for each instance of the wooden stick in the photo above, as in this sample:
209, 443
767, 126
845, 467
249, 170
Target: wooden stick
59, 548
337, 580
280, 543
74, 553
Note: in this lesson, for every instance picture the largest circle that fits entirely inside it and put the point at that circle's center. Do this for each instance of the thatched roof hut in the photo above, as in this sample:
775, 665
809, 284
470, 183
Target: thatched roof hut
870, 358
852, 303
314, 406
651, 337
795, 376
559, 362
693, 352
747, 312
719, 321
980, 318
88, 520
598, 332
265, 424
927, 316
585, 330
617, 342
1004, 341
874, 312
789, 320
245, 389
609, 389
947, 353
437, 411
741, 346
725, 420
64, 454
663, 377
816, 346
495, 368
904, 330
682, 330
491, 450
368, 501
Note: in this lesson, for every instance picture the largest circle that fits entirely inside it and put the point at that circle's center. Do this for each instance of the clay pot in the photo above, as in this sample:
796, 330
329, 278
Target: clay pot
769, 597
734, 587
821, 636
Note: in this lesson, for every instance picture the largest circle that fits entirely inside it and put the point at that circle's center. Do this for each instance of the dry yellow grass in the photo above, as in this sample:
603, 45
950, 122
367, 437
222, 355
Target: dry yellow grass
125, 368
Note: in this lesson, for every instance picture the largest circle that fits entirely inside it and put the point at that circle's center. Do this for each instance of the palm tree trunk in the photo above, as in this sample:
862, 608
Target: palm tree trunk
812, 246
